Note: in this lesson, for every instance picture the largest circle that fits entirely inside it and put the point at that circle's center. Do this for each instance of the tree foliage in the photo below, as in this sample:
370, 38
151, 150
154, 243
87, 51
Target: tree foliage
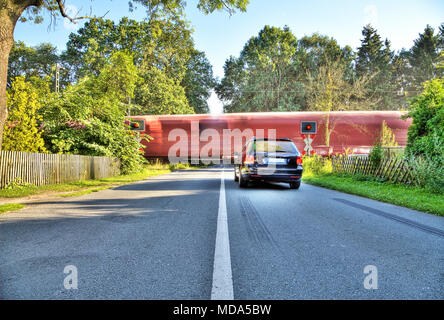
328, 89
375, 57
161, 94
29, 62
198, 82
424, 57
426, 134
118, 78
160, 11
88, 117
23, 131
277, 72
162, 43
263, 78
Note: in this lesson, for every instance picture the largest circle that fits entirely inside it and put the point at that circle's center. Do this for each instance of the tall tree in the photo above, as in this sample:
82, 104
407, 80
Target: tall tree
90, 46
319, 50
263, 78
164, 42
29, 62
400, 78
161, 94
12, 10
272, 71
424, 57
198, 82
328, 89
374, 58
230, 88
159, 42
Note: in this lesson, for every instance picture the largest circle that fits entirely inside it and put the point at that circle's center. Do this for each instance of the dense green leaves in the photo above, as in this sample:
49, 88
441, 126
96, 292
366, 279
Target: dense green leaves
154, 8
277, 72
198, 82
426, 134
29, 62
320, 50
375, 57
263, 78
163, 53
161, 94
162, 49
119, 77
209, 6
22, 131
424, 57
88, 117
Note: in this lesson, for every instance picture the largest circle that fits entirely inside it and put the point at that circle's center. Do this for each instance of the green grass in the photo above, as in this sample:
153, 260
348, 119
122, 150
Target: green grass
79, 188
10, 207
407, 196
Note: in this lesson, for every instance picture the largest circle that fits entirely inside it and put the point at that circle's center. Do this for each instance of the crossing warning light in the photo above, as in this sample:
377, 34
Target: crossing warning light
309, 127
137, 125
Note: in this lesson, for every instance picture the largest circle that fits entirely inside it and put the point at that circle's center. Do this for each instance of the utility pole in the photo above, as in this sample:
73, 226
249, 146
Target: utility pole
57, 77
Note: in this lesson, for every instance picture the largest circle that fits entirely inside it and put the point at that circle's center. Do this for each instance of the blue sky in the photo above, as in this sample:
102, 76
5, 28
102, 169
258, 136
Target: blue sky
220, 35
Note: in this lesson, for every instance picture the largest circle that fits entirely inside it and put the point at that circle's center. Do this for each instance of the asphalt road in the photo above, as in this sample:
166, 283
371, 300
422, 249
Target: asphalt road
185, 235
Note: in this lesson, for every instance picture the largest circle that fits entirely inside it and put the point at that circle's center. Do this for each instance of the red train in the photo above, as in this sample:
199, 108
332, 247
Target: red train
352, 132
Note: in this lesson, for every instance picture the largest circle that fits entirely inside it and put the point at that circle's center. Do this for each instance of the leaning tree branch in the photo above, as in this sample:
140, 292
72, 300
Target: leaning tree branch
227, 7
74, 20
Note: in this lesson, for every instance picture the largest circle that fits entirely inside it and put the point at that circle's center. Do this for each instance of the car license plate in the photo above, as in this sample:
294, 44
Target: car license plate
277, 161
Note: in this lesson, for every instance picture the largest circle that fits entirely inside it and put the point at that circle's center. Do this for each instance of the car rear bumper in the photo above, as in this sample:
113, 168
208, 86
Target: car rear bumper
278, 175
275, 178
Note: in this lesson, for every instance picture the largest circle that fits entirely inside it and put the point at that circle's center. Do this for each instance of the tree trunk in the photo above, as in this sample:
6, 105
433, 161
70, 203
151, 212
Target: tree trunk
6, 41
327, 130
10, 12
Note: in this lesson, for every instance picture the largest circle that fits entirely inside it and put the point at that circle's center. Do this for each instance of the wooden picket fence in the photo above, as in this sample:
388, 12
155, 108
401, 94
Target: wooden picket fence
394, 169
41, 169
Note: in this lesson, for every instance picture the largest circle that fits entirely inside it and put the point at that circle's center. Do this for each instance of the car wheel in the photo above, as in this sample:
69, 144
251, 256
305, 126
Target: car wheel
242, 182
295, 185
236, 178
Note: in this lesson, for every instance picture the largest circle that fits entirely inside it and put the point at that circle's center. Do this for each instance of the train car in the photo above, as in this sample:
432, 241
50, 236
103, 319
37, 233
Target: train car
352, 131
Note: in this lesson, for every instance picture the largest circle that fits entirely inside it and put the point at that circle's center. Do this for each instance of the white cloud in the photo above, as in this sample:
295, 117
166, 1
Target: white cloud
71, 11
371, 15
216, 106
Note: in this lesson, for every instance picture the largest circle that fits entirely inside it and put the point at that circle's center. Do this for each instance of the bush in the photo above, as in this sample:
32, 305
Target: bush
426, 134
86, 119
376, 154
317, 165
22, 131
428, 174
425, 144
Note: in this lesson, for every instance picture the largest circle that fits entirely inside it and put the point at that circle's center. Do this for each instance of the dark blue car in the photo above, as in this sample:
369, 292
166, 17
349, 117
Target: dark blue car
268, 160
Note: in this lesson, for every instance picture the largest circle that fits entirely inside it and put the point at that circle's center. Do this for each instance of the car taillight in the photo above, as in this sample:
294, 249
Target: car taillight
299, 160
249, 159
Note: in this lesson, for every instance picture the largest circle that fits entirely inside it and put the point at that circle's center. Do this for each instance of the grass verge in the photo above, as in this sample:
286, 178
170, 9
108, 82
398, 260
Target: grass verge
10, 207
406, 196
79, 188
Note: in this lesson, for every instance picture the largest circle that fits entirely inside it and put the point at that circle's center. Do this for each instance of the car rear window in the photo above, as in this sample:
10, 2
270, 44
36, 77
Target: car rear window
275, 146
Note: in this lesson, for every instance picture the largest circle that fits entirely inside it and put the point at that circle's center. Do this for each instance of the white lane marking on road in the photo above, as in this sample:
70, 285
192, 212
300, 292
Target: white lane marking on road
222, 277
